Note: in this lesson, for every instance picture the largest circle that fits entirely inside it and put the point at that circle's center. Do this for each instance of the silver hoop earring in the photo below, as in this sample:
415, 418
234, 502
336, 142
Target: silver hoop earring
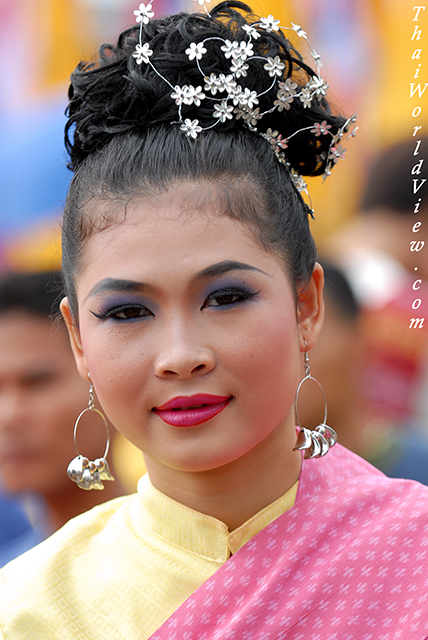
88, 474
314, 443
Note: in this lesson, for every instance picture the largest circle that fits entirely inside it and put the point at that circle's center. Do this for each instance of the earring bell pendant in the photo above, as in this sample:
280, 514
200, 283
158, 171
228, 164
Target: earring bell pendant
314, 443
90, 474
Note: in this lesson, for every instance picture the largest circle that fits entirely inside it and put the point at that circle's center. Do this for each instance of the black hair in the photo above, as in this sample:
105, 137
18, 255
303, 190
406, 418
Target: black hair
389, 184
124, 141
34, 293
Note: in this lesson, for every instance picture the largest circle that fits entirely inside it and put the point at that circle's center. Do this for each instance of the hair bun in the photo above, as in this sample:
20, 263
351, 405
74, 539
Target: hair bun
118, 95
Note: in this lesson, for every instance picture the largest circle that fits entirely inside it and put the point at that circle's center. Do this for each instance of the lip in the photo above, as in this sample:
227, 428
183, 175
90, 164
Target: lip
189, 411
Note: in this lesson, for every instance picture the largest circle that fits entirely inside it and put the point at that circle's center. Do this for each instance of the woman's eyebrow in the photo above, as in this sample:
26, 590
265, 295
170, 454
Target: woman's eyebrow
223, 267
116, 284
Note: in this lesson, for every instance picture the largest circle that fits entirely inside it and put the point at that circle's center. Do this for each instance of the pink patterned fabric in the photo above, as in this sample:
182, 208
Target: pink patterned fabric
348, 562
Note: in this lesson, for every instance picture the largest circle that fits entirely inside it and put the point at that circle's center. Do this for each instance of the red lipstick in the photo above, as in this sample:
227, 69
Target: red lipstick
188, 411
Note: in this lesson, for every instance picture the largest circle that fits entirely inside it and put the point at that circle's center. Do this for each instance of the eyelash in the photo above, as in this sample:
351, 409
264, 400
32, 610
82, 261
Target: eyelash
233, 295
240, 294
123, 308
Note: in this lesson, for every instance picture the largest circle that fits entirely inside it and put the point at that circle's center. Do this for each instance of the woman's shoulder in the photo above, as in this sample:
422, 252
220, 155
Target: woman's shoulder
346, 493
342, 468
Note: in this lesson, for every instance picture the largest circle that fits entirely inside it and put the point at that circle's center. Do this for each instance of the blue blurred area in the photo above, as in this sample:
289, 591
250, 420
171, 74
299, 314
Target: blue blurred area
33, 173
16, 533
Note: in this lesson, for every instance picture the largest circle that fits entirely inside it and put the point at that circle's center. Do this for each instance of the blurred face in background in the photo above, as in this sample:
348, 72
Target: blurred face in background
41, 395
336, 362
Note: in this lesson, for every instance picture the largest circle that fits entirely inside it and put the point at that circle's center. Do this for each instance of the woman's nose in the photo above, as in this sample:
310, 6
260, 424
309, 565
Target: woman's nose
13, 408
182, 354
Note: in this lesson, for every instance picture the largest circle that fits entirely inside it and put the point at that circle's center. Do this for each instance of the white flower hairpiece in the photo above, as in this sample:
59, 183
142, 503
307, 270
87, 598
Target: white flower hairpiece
144, 13
233, 100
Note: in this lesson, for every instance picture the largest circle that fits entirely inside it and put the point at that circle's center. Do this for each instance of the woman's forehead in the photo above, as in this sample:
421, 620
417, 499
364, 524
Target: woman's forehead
173, 215
171, 237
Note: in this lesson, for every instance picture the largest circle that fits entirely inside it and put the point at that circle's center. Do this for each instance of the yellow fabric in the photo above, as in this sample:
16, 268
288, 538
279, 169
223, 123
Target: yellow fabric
120, 570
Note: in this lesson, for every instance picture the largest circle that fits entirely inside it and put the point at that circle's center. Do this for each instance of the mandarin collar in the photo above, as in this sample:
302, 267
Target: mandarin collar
197, 532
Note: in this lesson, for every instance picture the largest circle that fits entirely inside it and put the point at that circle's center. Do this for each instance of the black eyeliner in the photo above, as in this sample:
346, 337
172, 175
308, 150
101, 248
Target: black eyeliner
244, 294
118, 309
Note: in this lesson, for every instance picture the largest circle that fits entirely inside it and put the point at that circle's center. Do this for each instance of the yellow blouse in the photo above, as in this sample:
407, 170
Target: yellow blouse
119, 571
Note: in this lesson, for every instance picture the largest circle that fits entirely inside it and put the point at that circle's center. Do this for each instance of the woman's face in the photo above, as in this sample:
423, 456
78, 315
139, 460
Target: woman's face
180, 306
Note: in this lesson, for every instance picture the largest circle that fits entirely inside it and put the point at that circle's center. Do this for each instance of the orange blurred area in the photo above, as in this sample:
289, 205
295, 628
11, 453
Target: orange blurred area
128, 462
35, 249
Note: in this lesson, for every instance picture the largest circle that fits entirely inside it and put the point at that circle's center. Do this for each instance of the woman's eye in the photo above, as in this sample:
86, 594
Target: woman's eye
225, 297
125, 312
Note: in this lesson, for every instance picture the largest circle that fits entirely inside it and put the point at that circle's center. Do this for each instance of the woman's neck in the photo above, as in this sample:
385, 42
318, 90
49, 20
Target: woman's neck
236, 491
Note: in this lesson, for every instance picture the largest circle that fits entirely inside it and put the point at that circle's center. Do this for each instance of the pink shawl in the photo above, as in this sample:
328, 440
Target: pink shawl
348, 562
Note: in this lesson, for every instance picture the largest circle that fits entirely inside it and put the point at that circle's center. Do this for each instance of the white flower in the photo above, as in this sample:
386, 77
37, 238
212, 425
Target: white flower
229, 47
212, 83
287, 88
253, 33
187, 95
274, 66
298, 182
142, 53
236, 94
191, 127
283, 102
298, 30
336, 153
321, 128
275, 139
270, 135
239, 68
318, 86
178, 94
305, 97
270, 24
240, 113
317, 59
201, 2
192, 95
247, 98
144, 13
196, 50
223, 111
226, 83
250, 116
243, 51
285, 94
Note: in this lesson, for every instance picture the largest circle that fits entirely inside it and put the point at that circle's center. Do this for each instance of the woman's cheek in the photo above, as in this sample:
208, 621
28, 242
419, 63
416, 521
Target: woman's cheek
117, 370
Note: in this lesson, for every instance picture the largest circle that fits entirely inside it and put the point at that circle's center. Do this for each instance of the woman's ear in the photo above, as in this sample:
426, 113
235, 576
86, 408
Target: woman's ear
75, 341
310, 308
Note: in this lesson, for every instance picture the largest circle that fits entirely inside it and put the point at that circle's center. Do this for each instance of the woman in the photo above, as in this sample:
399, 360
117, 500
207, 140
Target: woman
193, 299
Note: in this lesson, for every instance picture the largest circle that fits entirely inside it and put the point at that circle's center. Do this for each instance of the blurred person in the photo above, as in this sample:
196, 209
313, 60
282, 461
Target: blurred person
383, 230
337, 361
375, 252
16, 532
41, 396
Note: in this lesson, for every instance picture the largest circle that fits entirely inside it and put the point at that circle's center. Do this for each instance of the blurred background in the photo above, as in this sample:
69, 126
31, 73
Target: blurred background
366, 50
